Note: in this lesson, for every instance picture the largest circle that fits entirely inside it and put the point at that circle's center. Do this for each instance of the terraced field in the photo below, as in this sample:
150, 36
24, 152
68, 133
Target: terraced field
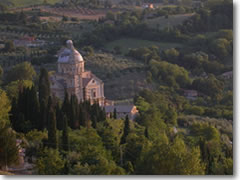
22, 3
76, 12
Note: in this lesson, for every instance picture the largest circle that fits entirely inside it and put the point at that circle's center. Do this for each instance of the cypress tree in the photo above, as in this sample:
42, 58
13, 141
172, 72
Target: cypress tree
14, 114
94, 122
44, 93
59, 117
102, 115
95, 112
74, 123
115, 113
27, 105
65, 141
85, 118
43, 115
44, 85
126, 130
66, 107
49, 108
52, 129
81, 115
34, 108
146, 133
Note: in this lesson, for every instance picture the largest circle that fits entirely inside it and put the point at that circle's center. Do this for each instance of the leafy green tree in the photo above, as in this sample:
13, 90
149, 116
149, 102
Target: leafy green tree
170, 74
205, 131
5, 107
14, 87
166, 158
79, 169
35, 140
3, 8
89, 50
22, 71
136, 146
94, 155
9, 46
142, 105
197, 110
210, 86
171, 55
1, 74
221, 47
226, 34
110, 16
64, 18
109, 139
22, 17
194, 60
49, 162
171, 116
8, 147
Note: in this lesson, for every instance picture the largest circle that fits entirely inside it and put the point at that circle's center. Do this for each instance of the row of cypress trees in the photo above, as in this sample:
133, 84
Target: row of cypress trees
39, 110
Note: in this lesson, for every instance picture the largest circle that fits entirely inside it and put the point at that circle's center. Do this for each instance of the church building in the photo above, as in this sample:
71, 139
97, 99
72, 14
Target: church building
72, 78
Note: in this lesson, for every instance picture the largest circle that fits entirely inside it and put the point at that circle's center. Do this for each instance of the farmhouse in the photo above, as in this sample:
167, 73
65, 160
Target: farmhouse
227, 75
191, 94
72, 78
28, 42
122, 111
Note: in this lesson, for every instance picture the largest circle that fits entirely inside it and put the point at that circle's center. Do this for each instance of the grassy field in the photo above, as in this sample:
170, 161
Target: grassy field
129, 43
172, 20
22, 3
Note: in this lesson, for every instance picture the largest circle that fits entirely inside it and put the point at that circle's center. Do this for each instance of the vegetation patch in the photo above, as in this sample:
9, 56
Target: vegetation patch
169, 21
125, 44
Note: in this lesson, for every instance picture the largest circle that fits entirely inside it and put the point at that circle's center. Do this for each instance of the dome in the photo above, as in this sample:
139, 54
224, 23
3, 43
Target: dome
69, 54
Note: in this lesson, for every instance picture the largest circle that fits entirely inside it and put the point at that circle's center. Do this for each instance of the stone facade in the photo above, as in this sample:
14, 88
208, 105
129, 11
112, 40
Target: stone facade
72, 78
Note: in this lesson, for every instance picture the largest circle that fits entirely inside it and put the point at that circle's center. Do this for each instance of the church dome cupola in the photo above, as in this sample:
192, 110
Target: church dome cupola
70, 54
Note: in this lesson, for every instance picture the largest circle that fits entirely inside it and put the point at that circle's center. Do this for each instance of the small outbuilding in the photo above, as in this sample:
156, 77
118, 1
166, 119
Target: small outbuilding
122, 111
